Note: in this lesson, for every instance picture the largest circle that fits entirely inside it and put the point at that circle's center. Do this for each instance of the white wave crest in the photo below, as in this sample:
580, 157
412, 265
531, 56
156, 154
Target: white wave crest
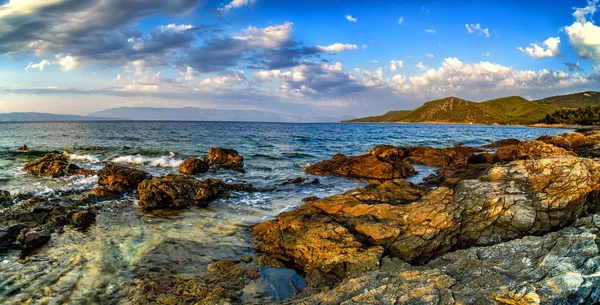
165, 161
76, 157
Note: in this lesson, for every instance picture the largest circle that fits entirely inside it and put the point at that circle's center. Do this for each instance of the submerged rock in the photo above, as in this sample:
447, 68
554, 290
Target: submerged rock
120, 179
193, 166
30, 239
178, 192
5, 199
55, 165
8, 236
225, 158
23, 148
344, 234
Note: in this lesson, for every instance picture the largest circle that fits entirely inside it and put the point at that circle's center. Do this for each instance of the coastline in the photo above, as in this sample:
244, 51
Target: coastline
537, 125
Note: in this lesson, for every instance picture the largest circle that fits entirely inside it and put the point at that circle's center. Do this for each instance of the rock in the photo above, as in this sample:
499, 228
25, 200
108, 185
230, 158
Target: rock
103, 192
54, 165
293, 181
5, 199
310, 198
23, 148
32, 239
8, 236
584, 143
529, 150
368, 166
39, 211
82, 219
178, 192
452, 157
225, 158
315, 181
556, 268
120, 179
502, 143
340, 235
193, 166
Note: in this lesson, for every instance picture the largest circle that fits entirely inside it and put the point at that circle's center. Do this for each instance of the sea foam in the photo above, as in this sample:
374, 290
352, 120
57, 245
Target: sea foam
164, 161
76, 157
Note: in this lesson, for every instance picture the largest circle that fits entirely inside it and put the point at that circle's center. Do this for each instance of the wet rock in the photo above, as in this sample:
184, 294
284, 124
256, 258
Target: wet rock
81, 219
178, 192
378, 164
23, 148
502, 143
30, 239
340, 235
55, 165
102, 193
529, 150
43, 211
193, 166
451, 157
5, 199
120, 179
315, 181
294, 181
8, 236
225, 158
556, 268
310, 198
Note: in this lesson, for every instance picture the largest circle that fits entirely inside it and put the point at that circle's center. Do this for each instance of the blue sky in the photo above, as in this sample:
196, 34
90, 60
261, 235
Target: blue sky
308, 58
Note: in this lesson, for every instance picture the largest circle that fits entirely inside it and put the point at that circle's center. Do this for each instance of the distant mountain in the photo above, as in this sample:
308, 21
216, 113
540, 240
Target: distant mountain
200, 114
507, 110
39, 117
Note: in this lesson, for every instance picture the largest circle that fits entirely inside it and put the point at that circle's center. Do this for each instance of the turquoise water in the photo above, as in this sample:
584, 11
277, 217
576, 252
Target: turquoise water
100, 265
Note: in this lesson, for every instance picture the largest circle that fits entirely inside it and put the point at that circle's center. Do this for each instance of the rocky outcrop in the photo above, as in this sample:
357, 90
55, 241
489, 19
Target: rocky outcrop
583, 143
383, 162
451, 157
502, 143
29, 224
193, 166
5, 199
178, 192
114, 179
348, 233
225, 158
557, 268
55, 165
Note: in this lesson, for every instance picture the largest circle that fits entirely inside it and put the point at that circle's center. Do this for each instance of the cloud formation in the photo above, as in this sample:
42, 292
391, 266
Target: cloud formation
583, 34
536, 51
351, 19
476, 28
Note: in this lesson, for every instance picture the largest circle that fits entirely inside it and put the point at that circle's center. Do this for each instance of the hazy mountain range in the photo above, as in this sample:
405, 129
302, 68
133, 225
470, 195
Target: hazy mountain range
167, 114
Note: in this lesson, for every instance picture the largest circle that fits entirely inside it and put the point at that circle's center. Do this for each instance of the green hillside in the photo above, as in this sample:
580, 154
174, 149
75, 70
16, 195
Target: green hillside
390, 116
575, 100
513, 110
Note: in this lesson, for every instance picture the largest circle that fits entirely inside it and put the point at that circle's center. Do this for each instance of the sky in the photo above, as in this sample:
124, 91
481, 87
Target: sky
305, 58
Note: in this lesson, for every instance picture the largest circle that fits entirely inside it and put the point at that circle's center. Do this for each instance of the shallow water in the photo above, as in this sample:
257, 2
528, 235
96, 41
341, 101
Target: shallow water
101, 264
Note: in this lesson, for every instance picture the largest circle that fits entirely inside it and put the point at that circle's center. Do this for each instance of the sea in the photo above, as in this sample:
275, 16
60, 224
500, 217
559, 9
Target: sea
101, 265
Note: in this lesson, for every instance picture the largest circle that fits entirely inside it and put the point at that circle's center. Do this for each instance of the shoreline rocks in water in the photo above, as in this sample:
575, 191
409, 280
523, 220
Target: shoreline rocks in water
55, 165
179, 192
115, 180
344, 235
225, 158
193, 166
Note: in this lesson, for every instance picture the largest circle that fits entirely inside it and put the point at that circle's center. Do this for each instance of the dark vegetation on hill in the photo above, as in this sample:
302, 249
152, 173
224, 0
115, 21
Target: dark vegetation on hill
589, 115
512, 110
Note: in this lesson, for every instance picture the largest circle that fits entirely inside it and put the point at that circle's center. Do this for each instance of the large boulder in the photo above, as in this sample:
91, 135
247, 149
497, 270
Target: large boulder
556, 268
451, 157
336, 236
30, 239
382, 162
121, 179
193, 166
225, 158
179, 191
55, 165
584, 143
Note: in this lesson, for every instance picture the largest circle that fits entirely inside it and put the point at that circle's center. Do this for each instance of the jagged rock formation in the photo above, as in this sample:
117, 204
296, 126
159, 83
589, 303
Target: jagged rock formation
225, 158
115, 180
54, 165
179, 191
193, 166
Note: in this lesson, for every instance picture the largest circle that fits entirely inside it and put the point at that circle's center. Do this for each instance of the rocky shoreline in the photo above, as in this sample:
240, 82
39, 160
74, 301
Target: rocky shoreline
514, 222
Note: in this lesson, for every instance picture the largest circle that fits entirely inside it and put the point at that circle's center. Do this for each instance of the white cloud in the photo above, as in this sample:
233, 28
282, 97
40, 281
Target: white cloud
337, 47
537, 51
350, 18
226, 80
371, 78
364, 46
401, 20
236, 4
421, 66
584, 35
430, 55
41, 65
476, 28
395, 64
137, 67
375, 61
487, 54
266, 76
267, 38
189, 73
431, 31
175, 28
